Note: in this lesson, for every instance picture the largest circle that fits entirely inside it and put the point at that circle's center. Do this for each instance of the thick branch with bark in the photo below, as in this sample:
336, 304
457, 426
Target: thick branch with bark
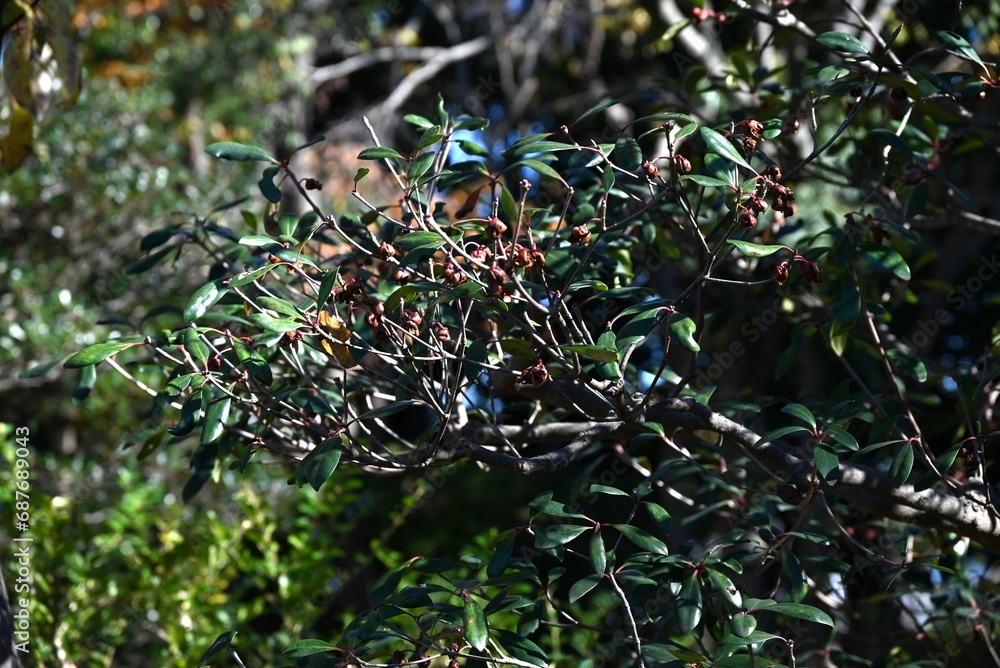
968, 514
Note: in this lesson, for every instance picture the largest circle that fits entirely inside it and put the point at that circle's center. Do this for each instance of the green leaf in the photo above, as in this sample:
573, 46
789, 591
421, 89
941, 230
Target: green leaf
419, 166
743, 624
755, 250
780, 433
387, 584
539, 167
843, 437
841, 41
901, 466
255, 365
604, 489
800, 611
801, 412
596, 109
596, 353
889, 259
196, 348
720, 146
360, 174
268, 189
642, 539
41, 369
683, 331
725, 587
521, 648
326, 287
908, 364
97, 353
659, 515
419, 121
627, 153
501, 557
308, 647
247, 277
230, 150
421, 239
203, 299
276, 325
598, 555
707, 181
689, 605
827, 464
317, 467
960, 43
556, 535
477, 632
583, 586
378, 153
794, 574
215, 419
221, 643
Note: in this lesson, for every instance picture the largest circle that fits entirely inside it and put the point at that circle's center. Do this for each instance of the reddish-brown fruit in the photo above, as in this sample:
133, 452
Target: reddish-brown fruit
748, 220
313, 184
810, 271
495, 228
757, 204
441, 332
680, 165
580, 235
652, 171
402, 276
534, 375
781, 273
386, 251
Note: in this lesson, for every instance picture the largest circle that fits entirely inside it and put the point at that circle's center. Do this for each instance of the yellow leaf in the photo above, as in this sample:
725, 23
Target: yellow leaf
16, 146
335, 328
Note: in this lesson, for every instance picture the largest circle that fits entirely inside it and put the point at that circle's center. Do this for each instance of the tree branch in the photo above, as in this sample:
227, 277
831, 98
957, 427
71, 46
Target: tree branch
969, 515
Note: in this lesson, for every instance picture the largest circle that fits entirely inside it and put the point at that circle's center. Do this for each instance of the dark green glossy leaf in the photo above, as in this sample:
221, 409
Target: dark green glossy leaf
583, 586
720, 146
689, 605
901, 466
501, 557
268, 189
230, 150
682, 330
97, 353
800, 611
841, 41
908, 365
707, 181
389, 409
203, 299
743, 624
317, 466
598, 556
196, 347
215, 419
843, 437
477, 632
521, 648
378, 153
827, 464
958, 42
795, 576
556, 535
221, 643
387, 584
642, 539
755, 250
308, 647
596, 353
801, 412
